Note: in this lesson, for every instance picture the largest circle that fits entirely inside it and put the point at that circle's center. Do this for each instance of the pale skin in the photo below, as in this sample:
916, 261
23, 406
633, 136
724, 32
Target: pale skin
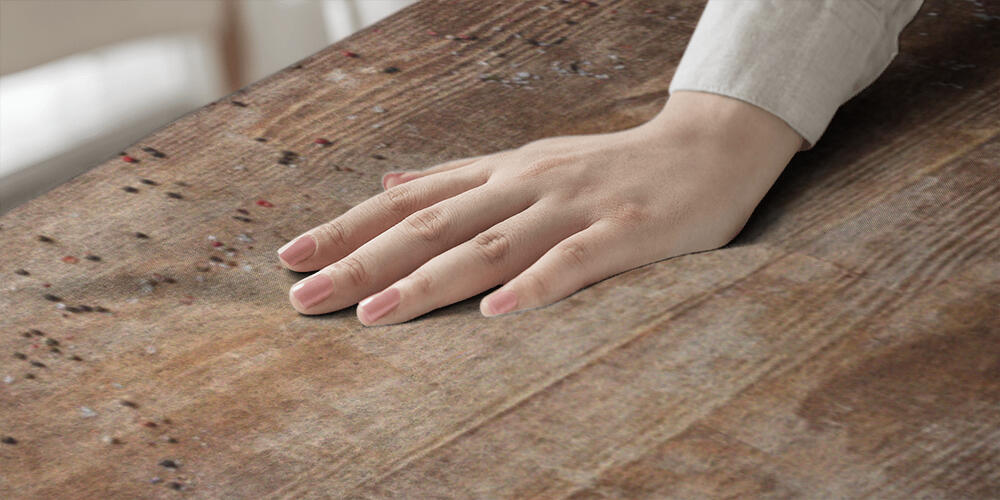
544, 220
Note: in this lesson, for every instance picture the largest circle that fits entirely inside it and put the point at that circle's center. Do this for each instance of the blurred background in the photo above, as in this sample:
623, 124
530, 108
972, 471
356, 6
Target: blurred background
82, 79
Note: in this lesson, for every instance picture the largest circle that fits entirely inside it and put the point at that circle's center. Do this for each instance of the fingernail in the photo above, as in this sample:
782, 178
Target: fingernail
502, 302
407, 176
391, 176
297, 250
376, 306
313, 290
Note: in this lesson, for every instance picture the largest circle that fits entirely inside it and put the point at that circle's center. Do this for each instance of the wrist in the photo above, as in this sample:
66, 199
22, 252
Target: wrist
728, 123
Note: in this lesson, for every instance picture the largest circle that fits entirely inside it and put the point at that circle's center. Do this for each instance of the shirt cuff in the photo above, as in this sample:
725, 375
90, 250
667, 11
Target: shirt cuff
799, 60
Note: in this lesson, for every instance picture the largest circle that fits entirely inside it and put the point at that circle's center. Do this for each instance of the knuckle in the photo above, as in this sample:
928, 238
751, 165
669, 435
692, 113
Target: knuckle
574, 253
333, 233
492, 247
534, 285
540, 166
429, 224
629, 214
422, 283
398, 201
355, 271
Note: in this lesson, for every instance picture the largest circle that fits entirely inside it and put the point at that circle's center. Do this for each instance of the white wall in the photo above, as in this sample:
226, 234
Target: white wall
82, 79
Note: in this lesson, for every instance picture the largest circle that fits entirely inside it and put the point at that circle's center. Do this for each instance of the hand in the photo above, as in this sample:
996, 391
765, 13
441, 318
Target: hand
548, 218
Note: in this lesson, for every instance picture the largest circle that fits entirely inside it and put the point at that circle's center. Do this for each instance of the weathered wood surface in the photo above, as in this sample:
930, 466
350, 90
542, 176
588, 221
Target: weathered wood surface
846, 345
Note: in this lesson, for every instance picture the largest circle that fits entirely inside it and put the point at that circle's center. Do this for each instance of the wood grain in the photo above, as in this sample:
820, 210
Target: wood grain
846, 345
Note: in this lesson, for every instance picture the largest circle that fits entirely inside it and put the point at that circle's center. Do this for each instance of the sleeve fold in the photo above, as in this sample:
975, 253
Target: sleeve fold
798, 59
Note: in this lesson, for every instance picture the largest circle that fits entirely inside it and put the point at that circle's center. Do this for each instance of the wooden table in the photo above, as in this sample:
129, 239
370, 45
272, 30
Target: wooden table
847, 344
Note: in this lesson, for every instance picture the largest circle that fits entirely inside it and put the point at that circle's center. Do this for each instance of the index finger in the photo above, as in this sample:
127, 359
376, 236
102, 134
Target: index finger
331, 241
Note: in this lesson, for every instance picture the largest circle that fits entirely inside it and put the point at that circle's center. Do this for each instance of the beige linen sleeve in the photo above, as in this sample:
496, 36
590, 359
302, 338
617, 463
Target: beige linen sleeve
798, 59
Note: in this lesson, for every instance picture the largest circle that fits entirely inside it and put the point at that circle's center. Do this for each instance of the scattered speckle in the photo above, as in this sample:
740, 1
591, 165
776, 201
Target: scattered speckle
176, 196
141, 236
154, 152
20, 355
288, 158
22, 272
130, 189
92, 257
52, 298
45, 239
391, 70
170, 464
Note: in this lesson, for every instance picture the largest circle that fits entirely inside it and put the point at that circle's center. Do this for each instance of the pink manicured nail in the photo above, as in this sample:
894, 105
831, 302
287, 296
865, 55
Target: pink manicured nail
312, 290
374, 307
391, 176
503, 302
297, 250
407, 176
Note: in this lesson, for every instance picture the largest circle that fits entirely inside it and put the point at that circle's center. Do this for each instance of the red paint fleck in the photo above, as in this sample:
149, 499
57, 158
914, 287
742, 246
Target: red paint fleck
265, 203
69, 259
650, 11
216, 243
129, 159
466, 37
348, 53
149, 424
321, 141
34, 346
432, 32
46, 285
187, 300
